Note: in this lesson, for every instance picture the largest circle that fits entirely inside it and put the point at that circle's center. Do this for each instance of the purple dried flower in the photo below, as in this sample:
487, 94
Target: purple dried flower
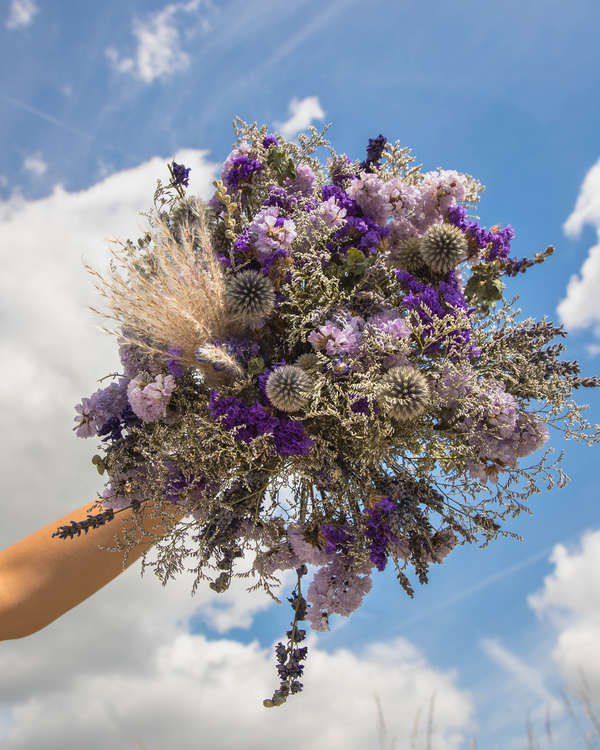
149, 400
180, 175
379, 531
290, 438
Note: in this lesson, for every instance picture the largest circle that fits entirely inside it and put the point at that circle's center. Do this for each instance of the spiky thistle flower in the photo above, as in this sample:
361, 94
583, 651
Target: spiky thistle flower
404, 391
288, 388
250, 294
409, 256
443, 247
307, 361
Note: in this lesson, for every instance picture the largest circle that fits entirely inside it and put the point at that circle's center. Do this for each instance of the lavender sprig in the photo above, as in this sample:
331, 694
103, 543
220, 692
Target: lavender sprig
92, 522
289, 657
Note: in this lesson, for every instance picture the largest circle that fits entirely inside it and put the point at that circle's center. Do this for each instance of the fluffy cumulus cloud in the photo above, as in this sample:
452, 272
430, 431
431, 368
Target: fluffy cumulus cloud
571, 599
159, 53
581, 306
302, 114
21, 13
35, 165
50, 347
126, 663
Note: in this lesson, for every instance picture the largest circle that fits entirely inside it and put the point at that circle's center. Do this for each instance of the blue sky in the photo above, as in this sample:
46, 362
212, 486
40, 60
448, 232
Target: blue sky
95, 98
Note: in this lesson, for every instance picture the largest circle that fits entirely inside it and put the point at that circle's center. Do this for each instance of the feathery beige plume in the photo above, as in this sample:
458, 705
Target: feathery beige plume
170, 292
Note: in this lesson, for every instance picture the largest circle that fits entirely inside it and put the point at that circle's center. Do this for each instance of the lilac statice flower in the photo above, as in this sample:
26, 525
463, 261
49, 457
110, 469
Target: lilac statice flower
364, 406
149, 400
242, 169
495, 244
332, 213
303, 183
331, 339
88, 422
273, 232
360, 232
439, 191
400, 231
239, 167
451, 291
420, 296
342, 199
500, 433
401, 199
379, 531
391, 323
367, 191
102, 406
304, 550
337, 588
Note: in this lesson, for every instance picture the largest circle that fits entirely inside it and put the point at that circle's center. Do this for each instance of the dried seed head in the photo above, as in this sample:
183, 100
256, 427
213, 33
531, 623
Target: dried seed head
404, 391
217, 364
307, 361
443, 247
250, 294
288, 388
409, 256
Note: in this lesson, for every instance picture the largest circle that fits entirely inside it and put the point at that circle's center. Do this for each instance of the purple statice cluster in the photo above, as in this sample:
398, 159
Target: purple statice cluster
252, 421
239, 167
484, 246
102, 407
379, 531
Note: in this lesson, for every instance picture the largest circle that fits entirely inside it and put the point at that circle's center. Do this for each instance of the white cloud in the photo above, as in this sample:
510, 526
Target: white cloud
50, 351
21, 13
581, 306
159, 54
35, 164
124, 663
302, 113
571, 599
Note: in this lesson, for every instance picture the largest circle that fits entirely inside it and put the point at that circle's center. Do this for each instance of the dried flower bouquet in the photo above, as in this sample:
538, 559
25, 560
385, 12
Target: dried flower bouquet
320, 369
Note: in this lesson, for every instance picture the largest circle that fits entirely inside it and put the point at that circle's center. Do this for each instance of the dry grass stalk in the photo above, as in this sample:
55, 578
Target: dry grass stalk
172, 291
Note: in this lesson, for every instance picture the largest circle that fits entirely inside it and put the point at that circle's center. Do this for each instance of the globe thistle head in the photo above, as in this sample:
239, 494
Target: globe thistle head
288, 388
250, 294
308, 361
404, 392
409, 256
443, 247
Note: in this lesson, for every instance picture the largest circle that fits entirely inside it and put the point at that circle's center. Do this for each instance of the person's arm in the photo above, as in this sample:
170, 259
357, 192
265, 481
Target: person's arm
42, 577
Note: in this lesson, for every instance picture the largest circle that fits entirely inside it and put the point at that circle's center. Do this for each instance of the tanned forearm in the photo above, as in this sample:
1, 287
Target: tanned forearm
42, 577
